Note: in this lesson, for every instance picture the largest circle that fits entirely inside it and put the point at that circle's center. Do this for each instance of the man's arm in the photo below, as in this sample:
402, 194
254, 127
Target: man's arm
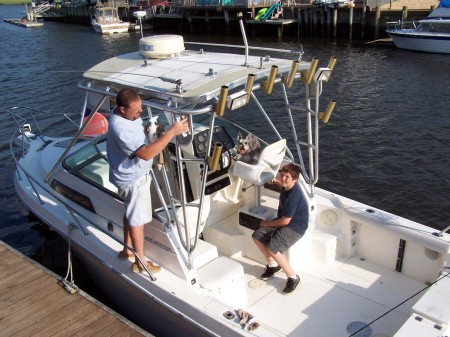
278, 222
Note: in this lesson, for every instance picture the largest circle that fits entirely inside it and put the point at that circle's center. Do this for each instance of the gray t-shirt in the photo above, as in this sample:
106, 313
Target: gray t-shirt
124, 138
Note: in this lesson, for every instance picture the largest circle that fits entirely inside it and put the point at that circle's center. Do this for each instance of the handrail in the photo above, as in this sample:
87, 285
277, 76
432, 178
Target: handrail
75, 138
159, 106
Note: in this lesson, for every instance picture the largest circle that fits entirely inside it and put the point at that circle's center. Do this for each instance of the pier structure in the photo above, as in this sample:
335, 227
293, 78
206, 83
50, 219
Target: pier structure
33, 303
261, 17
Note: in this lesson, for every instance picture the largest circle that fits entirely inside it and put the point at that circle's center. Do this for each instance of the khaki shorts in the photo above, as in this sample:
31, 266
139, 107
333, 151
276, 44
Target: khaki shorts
138, 202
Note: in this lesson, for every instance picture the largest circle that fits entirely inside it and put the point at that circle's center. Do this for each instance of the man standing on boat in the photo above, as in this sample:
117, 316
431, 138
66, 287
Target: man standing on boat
273, 237
130, 157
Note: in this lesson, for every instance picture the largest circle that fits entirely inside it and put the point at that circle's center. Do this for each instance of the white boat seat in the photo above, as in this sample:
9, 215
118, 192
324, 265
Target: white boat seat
263, 171
192, 216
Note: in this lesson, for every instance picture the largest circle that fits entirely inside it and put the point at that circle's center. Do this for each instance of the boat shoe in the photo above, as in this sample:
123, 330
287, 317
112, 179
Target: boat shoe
154, 268
125, 256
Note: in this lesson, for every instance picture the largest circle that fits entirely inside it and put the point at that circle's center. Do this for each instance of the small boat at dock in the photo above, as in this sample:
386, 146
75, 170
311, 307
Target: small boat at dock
107, 21
364, 271
431, 34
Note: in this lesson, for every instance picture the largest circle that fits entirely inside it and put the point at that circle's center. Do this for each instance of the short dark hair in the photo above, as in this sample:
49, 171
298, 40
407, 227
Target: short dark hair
293, 169
126, 96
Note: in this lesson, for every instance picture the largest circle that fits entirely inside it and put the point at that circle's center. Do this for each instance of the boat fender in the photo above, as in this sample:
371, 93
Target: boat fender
261, 12
96, 127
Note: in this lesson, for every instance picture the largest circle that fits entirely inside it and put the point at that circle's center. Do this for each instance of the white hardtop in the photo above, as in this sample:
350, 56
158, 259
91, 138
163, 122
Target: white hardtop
192, 77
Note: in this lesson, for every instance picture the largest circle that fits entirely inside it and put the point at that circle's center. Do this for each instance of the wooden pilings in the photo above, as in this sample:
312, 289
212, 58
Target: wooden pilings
301, 20
363, 22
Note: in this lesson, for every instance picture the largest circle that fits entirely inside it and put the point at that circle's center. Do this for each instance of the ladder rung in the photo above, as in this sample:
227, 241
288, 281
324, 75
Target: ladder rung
296, 107
306, 144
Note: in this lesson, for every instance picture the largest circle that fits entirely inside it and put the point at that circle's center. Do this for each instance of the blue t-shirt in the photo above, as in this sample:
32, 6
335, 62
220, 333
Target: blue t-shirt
293, 205
124, 138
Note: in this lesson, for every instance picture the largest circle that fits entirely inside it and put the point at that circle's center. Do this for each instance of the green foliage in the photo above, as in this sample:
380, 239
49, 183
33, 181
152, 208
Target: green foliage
14, 2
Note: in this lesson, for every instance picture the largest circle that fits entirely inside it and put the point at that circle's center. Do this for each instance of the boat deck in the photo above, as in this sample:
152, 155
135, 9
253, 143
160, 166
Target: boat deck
33, 304
370, 291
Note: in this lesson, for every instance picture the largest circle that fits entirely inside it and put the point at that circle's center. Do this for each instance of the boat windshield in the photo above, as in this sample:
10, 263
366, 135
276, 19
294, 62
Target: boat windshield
434, 27
204, 120
107, 15
90, 163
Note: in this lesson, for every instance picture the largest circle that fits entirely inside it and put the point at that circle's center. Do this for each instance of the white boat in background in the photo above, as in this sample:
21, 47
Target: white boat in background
334, 4
364, 271
107, 21
428, 35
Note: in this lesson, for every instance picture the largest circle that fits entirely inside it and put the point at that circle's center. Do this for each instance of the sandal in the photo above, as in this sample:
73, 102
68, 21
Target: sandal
154, 268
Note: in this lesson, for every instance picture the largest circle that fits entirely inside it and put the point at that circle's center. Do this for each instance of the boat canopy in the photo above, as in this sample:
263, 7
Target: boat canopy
442, 11
444, 3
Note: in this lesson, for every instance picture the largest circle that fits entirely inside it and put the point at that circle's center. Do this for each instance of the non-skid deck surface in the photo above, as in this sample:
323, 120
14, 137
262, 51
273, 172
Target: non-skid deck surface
33, 304
330, 297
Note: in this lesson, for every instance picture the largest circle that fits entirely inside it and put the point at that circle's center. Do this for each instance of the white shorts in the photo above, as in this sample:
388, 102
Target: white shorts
138, 202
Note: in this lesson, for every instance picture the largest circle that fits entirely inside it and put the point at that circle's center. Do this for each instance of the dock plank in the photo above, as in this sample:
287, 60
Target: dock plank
32, 303
50, 325
80, 325
19, 293
25, 315
115, 328
79, 312
23, 274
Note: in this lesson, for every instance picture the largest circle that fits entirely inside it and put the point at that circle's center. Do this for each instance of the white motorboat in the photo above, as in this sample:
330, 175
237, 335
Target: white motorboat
333, 4
107, 21
428, 35
364, 271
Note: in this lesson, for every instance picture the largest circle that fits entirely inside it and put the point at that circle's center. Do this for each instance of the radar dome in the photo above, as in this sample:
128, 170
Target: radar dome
161, 46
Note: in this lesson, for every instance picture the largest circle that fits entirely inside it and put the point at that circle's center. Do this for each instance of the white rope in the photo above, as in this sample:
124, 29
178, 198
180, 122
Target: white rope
69, 285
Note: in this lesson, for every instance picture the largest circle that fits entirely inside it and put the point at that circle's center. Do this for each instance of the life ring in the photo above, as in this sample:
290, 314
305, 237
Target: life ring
261, 12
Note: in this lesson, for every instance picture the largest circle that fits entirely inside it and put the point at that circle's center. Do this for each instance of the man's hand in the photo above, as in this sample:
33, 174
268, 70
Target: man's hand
179, 127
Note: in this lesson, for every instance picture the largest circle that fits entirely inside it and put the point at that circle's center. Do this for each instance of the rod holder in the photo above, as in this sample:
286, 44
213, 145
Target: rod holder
291, 76
161, 160
331, 63
220, 105
268, 85
214, 160
249, 85
325, 116
312, 69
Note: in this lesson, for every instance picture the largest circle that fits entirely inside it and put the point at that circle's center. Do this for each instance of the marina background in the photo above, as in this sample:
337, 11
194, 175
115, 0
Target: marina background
387, 143
359, 18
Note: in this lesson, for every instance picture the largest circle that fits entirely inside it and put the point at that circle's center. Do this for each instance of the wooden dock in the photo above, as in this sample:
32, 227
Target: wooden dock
32, 303
24, 23
278, 23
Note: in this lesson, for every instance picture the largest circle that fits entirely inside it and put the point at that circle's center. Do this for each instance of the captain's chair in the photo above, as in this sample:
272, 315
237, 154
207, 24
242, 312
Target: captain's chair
265, 170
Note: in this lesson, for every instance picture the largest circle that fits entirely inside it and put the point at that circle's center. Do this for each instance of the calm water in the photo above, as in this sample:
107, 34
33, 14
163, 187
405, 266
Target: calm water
387, 143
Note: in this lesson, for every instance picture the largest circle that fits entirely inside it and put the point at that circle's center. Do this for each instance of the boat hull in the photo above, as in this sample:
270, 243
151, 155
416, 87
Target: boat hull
424, 43
139, 307
113, 28
151, 306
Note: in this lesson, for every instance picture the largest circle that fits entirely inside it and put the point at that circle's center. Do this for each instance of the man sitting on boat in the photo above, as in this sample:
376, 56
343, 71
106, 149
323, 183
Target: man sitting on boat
130, 156
273, 237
